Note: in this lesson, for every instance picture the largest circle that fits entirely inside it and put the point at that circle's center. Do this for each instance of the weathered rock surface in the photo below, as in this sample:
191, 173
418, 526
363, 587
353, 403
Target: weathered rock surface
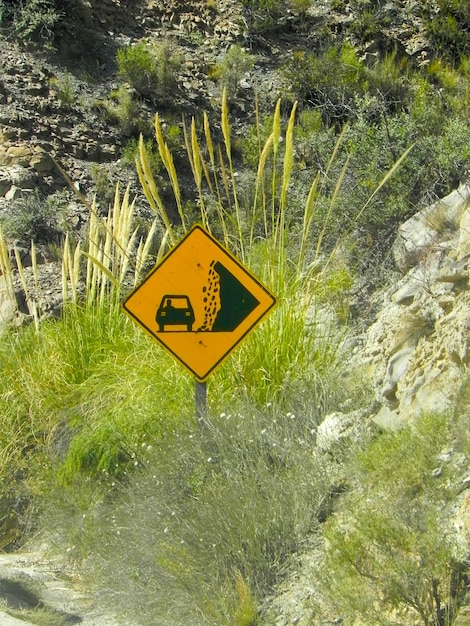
33, 581
417, 350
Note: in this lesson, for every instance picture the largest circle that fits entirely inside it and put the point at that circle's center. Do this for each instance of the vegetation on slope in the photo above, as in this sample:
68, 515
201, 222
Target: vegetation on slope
98, 426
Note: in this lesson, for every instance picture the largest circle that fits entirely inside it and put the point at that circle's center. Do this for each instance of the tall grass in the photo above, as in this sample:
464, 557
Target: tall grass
65, 394
209, 525
291, 345
225, 506
103, 420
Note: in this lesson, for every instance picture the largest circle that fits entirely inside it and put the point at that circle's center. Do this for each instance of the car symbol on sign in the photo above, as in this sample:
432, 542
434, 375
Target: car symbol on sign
175, 310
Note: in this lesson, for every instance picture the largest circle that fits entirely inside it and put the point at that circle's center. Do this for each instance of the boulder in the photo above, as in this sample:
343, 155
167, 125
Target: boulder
23, 177
417, 236
386, 419
464, 234
340, 430
416, 352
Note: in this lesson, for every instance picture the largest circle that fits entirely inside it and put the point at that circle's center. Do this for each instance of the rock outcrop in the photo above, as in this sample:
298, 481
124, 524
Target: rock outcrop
417, 350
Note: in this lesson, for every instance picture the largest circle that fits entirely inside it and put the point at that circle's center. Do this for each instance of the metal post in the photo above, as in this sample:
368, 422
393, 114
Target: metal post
201, 400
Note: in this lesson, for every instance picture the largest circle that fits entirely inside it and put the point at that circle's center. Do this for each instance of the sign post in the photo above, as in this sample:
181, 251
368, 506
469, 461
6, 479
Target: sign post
201, 400
199, 303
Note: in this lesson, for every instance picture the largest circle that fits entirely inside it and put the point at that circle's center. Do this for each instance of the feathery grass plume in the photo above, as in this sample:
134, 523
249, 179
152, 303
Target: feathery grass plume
31, 301
74, 271
228, 152
276, 138
151, 190
259, 185
143, 250
168, 162
288, 161
280, 232
111, 247
92, 253
70, 270
196, 162
6, 269
210, 149
65, 268
214, 187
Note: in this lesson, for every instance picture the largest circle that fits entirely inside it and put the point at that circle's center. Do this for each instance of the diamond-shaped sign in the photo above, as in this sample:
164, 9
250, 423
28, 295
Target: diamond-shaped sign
199, 302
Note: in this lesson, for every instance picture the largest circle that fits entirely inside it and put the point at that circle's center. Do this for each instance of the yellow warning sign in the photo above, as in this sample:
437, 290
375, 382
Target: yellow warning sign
199, 302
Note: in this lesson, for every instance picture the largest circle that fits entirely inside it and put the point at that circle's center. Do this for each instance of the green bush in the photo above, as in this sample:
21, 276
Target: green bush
31, 18
261, 16
150, 69
448, 29
63, 89
334, 82
367, 26
387, 548
230, 70
121, 109
373, 142
34, 218
329, 81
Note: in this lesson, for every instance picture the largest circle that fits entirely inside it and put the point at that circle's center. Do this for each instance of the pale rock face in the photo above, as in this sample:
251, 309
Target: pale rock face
339, 430
462, 521
464, 234
416, 352
387, 419
421, 232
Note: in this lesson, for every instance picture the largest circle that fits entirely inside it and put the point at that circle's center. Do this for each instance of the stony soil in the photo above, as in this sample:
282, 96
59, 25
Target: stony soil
32, 583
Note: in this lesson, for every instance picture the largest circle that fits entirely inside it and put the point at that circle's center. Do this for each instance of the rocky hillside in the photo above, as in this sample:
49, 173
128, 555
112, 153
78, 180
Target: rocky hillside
66, 110
70, 119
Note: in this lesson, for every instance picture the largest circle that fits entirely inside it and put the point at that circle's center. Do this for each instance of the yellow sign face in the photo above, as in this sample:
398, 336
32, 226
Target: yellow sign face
199, 302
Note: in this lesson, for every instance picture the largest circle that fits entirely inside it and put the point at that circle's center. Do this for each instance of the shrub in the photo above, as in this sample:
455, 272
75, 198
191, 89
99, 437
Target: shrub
234, 65
228, 503
32, 17
261, 16
130, 153
102, 182
371, 150
336, 80
448, 29
34, 218
121, 110
64, 90
150, 69
329, 81
367, 25
389, 546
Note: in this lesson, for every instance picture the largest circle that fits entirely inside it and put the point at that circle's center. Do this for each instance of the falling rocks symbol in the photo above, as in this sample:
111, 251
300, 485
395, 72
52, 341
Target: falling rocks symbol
236, 301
